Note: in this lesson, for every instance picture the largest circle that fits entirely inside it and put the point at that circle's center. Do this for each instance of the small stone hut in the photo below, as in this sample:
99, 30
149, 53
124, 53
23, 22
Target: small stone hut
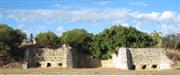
64, 57
44, 57
142, 59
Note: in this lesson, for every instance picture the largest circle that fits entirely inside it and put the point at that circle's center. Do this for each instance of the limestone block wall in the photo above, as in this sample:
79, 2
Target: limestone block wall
139, 59
64, 57
45, 57
81, 60
126, 58
120, 60
142, 59
107, 63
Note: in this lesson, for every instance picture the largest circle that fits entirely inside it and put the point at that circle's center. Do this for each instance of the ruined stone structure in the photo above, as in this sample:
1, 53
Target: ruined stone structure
124, 58
142, 59
64, 57
44, 57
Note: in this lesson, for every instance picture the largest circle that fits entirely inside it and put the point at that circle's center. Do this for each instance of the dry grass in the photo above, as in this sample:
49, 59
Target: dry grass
89, 71
174, 55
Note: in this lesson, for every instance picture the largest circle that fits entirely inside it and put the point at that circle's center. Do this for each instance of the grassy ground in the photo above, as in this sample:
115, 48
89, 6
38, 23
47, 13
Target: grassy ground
89, 71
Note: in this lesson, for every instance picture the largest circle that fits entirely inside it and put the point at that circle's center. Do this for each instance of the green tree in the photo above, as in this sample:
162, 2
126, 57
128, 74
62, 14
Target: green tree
169, 41
78, 38
19, 36
157, 38
47, 39
9, 38
105, 42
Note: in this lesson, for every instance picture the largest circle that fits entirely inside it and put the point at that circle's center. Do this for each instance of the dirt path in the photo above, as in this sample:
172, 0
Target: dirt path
89, 71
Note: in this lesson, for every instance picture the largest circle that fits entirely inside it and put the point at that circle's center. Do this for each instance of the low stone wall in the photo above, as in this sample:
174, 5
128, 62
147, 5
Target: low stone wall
142, 59
81, 60
127, 59
63, 57
110, 63
139, 59
107, 63
45, 57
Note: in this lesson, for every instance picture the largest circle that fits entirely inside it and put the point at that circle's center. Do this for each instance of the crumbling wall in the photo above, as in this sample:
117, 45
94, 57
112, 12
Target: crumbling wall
81, 60
142, 59
45, 57
64, 57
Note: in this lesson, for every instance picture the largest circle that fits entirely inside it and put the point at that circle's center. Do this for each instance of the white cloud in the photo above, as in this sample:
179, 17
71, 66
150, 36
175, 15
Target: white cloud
20, 26
60, 29
125, 24
166, 15
138, 4
94, 16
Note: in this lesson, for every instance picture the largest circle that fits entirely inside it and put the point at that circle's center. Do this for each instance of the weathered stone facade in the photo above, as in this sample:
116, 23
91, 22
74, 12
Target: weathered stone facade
44, 57
142, 59
124, 58
64, 57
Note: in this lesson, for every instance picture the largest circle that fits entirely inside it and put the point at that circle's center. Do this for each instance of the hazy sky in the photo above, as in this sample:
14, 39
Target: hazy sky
34, 16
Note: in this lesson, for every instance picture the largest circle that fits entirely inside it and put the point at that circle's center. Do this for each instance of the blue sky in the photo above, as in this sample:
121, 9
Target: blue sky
34, 16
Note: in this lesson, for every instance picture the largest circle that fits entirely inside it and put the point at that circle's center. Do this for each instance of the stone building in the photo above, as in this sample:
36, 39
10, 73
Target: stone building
142, 59
44, 57
64, 57
124, 58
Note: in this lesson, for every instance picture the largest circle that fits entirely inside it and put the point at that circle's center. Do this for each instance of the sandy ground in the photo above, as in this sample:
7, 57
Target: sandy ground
87, 71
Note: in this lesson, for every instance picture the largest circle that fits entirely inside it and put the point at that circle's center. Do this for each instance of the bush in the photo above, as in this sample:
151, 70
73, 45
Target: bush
105, 42
9, 37
78, 38
47, 39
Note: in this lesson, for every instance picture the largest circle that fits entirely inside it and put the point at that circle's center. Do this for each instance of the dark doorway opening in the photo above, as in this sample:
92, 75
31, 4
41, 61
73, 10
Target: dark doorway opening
48, 64
154, 66
133, 67
60, 64
37, 64
144, 67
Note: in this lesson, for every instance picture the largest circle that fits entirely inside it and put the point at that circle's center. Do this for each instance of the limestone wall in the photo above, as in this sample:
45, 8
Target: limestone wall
126, 58
139, 59
142, 59
81, 60
45, 57
64, 57
107, 63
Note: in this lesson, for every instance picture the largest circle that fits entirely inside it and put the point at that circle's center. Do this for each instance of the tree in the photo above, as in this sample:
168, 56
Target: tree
157, 38
78, 38
169, 41
6, 34
19, 36
105, 42
9, 39
47, 39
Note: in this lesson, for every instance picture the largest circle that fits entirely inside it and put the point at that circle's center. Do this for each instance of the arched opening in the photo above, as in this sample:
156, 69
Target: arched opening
133, 67
37, 64
144, 67
60, 64
154, 66
48, 64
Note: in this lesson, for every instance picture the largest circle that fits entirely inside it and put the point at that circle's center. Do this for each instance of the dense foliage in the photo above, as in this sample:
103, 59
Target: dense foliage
169, 41
157, 39
105, 43
47, 39
9, 38
101, 45
78, 38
